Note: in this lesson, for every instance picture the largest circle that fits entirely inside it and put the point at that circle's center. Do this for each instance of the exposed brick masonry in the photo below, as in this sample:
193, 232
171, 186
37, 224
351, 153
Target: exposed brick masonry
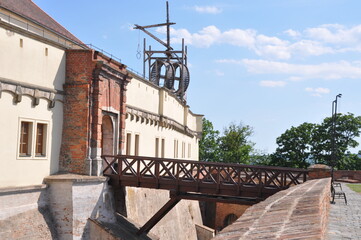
93, 83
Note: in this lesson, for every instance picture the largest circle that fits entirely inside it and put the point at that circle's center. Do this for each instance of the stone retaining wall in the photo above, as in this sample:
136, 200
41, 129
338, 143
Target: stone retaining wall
300, 212
24, 213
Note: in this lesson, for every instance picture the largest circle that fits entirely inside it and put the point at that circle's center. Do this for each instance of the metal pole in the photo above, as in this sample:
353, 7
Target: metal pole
168, 29
333, 143
144, 50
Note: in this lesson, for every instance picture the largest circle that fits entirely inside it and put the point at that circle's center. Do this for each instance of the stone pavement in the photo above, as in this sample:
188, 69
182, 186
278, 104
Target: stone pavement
345, 220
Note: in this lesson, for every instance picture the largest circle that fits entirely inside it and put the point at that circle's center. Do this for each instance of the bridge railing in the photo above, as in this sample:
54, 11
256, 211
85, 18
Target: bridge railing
204, 177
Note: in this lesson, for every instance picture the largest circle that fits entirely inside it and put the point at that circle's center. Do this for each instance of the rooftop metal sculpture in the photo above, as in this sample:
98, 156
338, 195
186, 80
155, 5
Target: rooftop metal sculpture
166, 68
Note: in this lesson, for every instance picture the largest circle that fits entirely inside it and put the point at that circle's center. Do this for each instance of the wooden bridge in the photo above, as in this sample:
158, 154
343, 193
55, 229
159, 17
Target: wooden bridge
204, 181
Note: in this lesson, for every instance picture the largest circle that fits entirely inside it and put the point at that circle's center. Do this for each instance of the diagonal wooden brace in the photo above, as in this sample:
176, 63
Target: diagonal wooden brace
159, 215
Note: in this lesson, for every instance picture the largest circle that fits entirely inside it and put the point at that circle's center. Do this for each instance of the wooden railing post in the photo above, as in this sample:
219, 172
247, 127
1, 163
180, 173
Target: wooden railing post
138, 172
120, 165
157, 173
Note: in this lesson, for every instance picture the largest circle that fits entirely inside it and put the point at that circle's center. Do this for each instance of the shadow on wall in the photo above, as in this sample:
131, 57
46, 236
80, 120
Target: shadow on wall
25, 214
103, 211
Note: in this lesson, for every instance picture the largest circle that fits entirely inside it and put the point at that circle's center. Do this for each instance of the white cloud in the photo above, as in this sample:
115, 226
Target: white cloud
326, 71
335, 33
292, 33
309, 48
207, 9
272, 83
239, 37
324, 39
317, 92
219, 73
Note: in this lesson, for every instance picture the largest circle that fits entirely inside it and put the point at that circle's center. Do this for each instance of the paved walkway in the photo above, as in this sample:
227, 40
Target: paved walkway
345, 220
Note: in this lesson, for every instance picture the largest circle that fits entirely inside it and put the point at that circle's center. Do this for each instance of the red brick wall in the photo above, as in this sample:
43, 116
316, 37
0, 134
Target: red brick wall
76, 124
347, 174
224, 209
87, 94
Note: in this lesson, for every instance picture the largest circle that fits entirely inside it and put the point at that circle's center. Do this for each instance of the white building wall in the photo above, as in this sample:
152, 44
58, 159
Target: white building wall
147, 138
160, 102
23, 171
32, 66
139, 93
29, 63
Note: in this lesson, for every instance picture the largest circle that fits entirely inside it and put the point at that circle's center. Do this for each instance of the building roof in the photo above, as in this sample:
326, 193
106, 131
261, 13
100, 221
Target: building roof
29, 10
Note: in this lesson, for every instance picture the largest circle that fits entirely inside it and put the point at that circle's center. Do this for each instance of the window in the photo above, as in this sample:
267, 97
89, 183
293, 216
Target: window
136, 145
129, 140
33, 136
163, 148
25, 139
183, 150
156, 147
189, 150
40, 150
175, 148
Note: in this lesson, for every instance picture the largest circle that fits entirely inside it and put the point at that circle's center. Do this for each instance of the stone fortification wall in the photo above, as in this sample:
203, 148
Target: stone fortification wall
59, 210
73, 199
178, 224
24, 213
300, 212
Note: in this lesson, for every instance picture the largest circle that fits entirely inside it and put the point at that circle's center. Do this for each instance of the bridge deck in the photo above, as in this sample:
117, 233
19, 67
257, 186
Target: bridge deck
202, 177
204, 181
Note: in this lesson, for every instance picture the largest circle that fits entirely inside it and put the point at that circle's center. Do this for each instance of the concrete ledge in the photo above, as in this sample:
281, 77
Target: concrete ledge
300, 212
19, 190
74, 178
18, 200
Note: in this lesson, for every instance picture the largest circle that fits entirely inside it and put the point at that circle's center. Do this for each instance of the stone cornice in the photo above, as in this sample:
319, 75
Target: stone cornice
18, 89
156, 119
108, 72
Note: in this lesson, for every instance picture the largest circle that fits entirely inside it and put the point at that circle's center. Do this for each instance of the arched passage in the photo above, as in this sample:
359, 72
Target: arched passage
107, 143
229, 219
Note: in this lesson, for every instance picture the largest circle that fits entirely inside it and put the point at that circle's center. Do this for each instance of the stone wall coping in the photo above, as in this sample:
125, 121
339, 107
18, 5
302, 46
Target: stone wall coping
319, 166
76, 178
300, 212
22, 189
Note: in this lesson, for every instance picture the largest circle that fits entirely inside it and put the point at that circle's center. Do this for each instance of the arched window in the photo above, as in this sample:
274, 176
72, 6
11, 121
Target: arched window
229, 219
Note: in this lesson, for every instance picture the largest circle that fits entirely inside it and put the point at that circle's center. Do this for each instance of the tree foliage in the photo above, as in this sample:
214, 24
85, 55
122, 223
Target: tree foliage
208, 145
347, 128
294, 147
312, 143
232, 146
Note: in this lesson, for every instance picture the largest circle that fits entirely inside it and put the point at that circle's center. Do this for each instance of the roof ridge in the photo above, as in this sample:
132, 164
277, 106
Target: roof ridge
56, 22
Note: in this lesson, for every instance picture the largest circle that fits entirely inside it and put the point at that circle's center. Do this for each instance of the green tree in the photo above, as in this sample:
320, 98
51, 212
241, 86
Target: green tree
347, 128
260, 158
294, 147
312, 143
208, 145
234, 145
351, 161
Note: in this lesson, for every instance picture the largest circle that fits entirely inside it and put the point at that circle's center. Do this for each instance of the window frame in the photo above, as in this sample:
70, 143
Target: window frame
128, 143
33, 139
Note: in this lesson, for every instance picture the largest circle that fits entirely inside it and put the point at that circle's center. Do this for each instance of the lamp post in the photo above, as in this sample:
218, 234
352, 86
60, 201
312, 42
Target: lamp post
333, 139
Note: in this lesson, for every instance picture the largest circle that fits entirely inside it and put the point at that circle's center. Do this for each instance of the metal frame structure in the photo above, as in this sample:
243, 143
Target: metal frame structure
175, 66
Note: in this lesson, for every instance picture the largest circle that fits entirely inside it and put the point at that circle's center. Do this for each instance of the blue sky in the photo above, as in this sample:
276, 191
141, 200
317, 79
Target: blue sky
270, 64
